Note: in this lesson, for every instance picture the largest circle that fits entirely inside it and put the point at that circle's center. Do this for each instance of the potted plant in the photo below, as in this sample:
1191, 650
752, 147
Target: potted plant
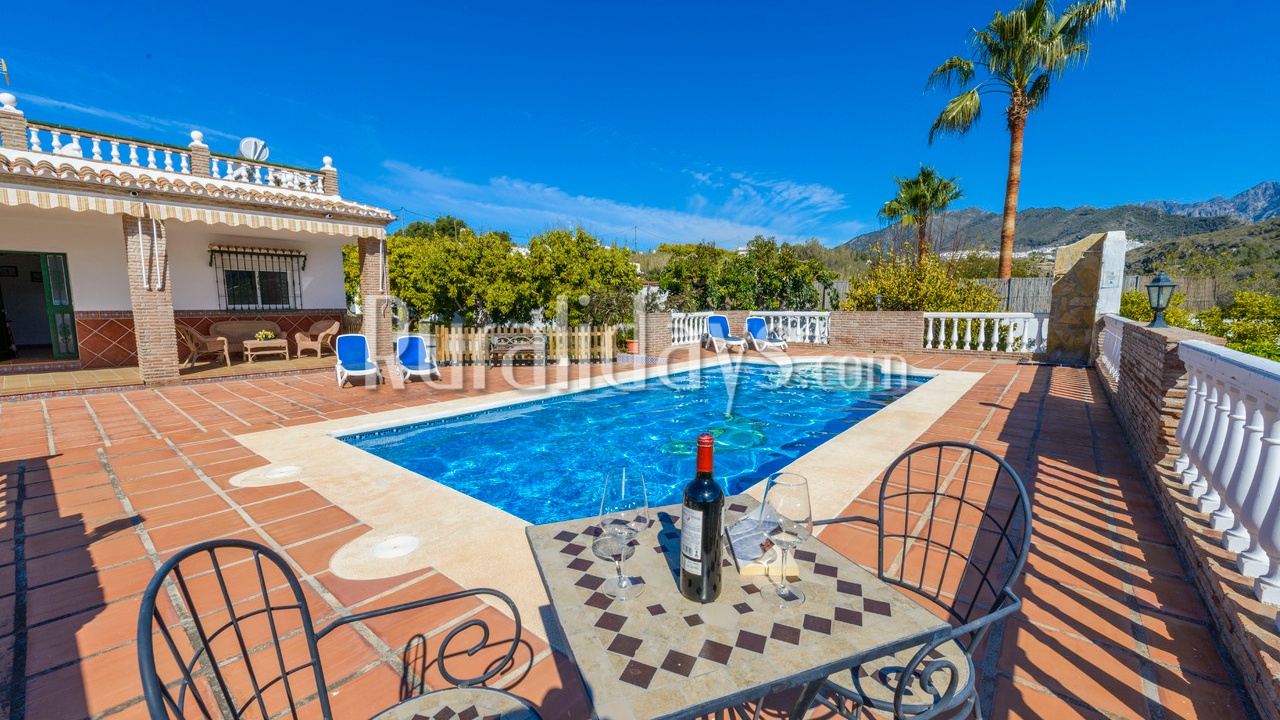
627, 340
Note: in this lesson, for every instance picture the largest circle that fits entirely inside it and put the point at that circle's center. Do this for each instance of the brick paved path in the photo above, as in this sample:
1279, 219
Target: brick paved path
97, 490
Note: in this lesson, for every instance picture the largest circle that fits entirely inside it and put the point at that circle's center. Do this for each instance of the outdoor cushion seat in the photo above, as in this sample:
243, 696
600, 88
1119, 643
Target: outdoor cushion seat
760, 339
718, 336
237, 331
319, 337
354, 360
414, 356
200, 345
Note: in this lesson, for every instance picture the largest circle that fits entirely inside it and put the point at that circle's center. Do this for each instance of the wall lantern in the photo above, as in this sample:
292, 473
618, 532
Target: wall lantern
1160, 293
879, 299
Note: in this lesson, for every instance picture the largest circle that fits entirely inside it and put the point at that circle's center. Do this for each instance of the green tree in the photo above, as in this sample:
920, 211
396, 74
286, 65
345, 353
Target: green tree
574, 264
478, 277
691, 278
1019, 54
919, 199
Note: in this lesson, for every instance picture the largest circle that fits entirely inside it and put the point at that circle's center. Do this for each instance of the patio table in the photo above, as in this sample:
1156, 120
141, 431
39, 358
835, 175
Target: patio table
465, 703
661, 656
276, 346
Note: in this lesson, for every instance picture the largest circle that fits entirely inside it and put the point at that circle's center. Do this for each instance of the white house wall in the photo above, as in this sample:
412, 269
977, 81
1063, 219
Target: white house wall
93, 243
195, 284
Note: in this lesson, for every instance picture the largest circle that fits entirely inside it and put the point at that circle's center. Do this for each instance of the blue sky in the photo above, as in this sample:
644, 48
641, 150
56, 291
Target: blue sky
660, 121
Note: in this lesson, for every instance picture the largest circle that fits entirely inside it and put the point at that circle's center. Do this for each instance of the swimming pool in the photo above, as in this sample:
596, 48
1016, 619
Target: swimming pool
545, 460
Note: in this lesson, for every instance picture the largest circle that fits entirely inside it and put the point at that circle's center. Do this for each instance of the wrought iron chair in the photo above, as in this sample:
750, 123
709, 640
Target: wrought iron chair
954, 529
249, 649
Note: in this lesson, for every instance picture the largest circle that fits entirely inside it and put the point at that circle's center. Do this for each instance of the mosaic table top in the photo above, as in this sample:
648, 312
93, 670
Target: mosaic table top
459, 704
662, 656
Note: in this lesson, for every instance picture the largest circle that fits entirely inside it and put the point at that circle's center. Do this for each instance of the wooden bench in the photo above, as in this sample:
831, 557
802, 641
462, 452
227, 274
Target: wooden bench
526, 347
237, 331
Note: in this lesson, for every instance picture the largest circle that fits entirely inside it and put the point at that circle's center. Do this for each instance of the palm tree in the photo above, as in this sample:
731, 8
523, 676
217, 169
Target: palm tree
1020, 52
917, 200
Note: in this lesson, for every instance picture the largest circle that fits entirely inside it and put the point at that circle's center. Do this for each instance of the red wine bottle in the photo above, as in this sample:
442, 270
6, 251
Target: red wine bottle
701, 523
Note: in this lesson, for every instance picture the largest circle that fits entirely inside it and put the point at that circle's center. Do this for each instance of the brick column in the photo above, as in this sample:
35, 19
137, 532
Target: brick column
200, 165
375, 296
151, 294
653, 330
13, 124
330, 174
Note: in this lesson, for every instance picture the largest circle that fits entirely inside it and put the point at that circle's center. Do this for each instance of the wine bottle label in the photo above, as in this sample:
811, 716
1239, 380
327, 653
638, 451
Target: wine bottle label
691, 535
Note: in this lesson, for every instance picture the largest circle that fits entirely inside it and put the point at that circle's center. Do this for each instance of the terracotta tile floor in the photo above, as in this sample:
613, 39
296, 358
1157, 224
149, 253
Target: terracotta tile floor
98, 489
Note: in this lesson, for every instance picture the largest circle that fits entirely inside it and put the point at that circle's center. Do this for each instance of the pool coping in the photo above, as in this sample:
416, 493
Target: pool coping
486, 545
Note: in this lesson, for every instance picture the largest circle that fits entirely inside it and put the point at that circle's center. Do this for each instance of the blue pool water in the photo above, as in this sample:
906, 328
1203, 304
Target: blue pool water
545, 460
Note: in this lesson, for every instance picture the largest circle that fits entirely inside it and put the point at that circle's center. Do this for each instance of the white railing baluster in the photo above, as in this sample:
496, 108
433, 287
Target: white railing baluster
185, 167
115, 151
97, 149
57, 141
34, 143
168, 160
151, 158
133, 155
1230, 437
994, 332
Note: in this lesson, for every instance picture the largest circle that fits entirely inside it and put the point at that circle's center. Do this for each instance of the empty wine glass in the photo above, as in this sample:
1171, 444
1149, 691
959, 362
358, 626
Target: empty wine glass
790, 522
624, 512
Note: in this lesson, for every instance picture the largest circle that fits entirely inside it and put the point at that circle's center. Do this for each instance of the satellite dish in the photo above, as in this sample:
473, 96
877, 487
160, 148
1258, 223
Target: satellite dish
251, 148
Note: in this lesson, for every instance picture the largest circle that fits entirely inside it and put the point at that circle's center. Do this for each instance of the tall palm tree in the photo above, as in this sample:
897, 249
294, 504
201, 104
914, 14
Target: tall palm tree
918, 199
1019, 52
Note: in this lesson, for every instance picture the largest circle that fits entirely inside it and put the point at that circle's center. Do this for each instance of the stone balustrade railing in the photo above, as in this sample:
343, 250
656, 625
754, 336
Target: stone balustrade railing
100, 147
226, 167
1230, 439
991, 332
688, 328
19, 133
1111, 342
797, 326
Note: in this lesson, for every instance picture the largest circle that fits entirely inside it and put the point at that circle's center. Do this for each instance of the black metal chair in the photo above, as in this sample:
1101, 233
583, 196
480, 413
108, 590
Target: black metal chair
225, 632
954, 529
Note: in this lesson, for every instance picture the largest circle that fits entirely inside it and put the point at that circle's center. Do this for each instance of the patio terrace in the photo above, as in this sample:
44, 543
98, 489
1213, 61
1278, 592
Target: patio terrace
100, 489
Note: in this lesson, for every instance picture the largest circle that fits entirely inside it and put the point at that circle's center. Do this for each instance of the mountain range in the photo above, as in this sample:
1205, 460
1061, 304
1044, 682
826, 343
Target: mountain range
1149, 222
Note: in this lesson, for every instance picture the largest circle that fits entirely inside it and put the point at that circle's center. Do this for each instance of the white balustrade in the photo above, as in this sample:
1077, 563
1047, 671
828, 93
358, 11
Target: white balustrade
688, 328
66, 142
1112, 337
992, 332
797, 326
1230, 435
256, 173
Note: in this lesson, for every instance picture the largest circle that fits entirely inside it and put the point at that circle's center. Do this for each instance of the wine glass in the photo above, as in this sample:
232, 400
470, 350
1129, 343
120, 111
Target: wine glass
787, 521
624, 512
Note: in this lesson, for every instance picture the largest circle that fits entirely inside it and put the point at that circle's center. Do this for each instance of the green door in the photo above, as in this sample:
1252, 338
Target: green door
57, 296
6, 350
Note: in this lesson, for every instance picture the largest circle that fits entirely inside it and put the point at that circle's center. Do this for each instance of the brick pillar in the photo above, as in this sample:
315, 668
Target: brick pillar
199, 155
330, 176
151, 293
653, 330
13, 124
375, 296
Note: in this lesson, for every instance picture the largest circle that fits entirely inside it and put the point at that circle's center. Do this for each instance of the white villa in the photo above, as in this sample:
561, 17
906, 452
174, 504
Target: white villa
107, 243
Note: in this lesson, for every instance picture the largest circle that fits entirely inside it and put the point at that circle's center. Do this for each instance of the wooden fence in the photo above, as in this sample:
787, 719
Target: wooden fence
470, 345
1034, 294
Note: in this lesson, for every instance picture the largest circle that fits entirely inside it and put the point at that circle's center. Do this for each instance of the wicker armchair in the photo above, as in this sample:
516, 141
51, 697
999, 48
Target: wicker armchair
319, 337
198, 345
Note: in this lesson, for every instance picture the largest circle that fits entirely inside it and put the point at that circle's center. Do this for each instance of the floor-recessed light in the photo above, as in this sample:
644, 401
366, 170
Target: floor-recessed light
395, 546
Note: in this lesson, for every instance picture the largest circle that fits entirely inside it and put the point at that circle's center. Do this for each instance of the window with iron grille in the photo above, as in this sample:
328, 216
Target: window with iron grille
258, 278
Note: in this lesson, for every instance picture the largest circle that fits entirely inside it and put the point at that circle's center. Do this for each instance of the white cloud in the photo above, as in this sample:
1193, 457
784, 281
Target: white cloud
145, 122
784, 209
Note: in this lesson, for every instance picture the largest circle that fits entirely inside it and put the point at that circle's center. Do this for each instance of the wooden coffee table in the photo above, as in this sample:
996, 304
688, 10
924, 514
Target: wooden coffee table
276, 346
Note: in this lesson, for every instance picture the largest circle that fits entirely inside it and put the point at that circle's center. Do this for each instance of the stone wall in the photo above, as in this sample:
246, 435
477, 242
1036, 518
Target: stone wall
1148, 398
654, 333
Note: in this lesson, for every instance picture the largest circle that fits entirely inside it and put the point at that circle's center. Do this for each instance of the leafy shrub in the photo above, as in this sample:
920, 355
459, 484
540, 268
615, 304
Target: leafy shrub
1251, 323
929, 286
1135, 305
